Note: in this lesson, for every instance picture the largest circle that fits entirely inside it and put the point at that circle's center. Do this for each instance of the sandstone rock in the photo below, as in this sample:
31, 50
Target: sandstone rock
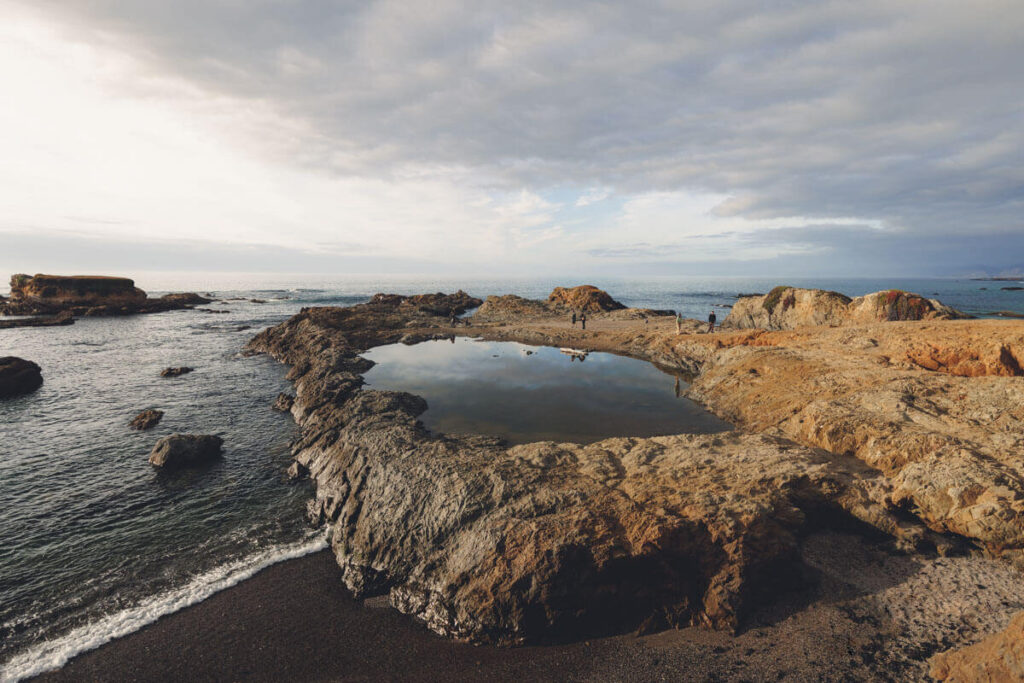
147, 419
18, 376
175, 372
510, 307
297, 471
284, 402
584, 298
788, 308
185, 450
86, 295
999, 657
185, 298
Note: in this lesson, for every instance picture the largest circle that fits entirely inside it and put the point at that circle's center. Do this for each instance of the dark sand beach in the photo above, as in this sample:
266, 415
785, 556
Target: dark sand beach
295, 621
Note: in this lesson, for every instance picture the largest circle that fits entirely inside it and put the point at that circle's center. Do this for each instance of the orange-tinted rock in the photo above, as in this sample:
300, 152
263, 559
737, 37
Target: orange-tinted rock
584, 298
1000, 657
87, 295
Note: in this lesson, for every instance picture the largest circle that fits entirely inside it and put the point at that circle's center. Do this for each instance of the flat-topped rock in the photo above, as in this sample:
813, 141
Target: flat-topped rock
86, 295
18, 376
185, 450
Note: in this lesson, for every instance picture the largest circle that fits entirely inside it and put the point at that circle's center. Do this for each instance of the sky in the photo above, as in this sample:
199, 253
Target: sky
650, 137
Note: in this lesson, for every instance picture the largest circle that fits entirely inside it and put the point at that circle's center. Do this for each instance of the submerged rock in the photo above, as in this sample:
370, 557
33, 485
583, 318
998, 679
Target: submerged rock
175, 372
18, 376
185, 450
147, 419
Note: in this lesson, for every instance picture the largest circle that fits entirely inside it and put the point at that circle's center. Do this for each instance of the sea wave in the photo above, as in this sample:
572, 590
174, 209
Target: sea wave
53, 654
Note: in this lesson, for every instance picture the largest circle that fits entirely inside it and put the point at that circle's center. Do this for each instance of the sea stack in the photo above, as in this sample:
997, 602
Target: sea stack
18, 376
86, 295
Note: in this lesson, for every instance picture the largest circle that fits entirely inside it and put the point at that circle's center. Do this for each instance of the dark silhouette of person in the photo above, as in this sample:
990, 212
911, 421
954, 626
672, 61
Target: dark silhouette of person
583, 319
711, 321
574, 318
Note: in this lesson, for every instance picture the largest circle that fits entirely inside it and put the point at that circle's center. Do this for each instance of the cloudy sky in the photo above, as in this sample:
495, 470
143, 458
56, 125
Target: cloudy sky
845, 138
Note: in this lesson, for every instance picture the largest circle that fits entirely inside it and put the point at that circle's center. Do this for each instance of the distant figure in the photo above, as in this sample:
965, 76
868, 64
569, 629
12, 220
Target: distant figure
583, 319
452, 316
711, 322
678, 393
574, 318
679, 323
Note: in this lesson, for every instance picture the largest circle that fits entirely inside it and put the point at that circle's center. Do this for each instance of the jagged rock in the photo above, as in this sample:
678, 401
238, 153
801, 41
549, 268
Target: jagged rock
1000, 657
175, 372
584, 298
147, 419
284, 402
18, 376
510, 307
85, 295
185, 450
297, 471
788, 308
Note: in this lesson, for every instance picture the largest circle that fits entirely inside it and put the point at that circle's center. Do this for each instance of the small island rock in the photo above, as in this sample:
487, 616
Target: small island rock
147, 419
18, 376
185, 450
175, 372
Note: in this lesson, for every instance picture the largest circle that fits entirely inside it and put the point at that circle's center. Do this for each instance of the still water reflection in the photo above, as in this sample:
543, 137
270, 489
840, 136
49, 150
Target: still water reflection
528, 393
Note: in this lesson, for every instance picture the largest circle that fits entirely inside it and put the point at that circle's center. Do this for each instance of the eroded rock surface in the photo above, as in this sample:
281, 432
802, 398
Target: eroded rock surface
86, 295
584, 298
185, 450
1000, 657
788, 308
18, 376
176, 372
147, 419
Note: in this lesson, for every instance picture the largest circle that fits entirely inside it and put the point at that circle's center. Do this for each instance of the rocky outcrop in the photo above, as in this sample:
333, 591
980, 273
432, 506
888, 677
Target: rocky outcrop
175, 372
185, 450
63, 318
789, 308
284, 402
583, 298
511, 307
147, 419
545, 541
1000, 657
86, 295
18, 376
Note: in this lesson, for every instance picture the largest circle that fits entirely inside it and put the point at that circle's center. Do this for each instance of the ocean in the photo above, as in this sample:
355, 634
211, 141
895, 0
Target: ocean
95, 543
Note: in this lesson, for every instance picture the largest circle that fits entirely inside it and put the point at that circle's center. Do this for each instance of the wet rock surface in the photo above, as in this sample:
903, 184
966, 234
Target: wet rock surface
176, 372
18, 377
185, 450
86, 295
843, 426
147, 419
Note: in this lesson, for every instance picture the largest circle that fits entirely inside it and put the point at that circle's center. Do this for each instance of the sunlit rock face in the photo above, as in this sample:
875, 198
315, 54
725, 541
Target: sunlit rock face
88, 295
584, 298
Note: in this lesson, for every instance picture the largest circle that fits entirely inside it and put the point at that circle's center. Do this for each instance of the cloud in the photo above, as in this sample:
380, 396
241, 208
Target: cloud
905, 117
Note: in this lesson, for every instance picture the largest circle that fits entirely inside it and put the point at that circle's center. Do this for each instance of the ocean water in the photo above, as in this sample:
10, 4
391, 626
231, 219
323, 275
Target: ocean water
95, 543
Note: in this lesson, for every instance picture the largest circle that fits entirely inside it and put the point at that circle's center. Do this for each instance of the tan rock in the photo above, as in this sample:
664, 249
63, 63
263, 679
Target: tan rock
996, 659
584, 298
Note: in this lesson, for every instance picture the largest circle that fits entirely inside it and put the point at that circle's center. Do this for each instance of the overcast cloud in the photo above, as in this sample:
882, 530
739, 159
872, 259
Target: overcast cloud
524, 133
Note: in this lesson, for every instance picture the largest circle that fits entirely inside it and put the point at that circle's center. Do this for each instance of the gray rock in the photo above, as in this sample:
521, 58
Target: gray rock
175, 372
185, 450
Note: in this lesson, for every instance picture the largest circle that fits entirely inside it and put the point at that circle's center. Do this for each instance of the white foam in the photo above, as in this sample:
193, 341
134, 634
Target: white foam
53, 654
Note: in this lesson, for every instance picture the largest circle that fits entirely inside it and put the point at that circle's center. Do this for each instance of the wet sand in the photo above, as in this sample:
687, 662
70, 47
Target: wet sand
864, 613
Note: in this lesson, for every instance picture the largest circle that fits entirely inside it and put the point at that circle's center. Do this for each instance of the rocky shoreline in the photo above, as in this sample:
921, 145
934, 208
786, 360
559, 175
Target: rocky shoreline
55, 299
907, 430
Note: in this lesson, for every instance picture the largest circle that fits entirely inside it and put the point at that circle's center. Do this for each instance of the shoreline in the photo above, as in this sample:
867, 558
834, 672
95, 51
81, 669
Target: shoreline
295, 620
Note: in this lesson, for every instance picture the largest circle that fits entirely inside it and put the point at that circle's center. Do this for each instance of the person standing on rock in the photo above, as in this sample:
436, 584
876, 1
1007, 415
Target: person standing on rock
711, 322
574, 318
452, 317
583, 319
679, 323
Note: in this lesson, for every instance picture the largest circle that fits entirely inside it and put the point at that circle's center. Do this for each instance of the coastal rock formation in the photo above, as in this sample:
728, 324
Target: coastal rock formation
175, 372
511, 307
1000, 657
584, 298
545, 541
18, 376
62, 318
185, 450
86, 295
788, 308
284, 402
147, 419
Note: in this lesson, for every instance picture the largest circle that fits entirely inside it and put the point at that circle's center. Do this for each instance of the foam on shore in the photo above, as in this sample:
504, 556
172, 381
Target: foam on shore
53, 654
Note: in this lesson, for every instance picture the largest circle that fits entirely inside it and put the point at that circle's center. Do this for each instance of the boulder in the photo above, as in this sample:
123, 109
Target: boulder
789, 308
584, 298
185, 450
18, 376
147, 419
175, 372
284, 402
185, 298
